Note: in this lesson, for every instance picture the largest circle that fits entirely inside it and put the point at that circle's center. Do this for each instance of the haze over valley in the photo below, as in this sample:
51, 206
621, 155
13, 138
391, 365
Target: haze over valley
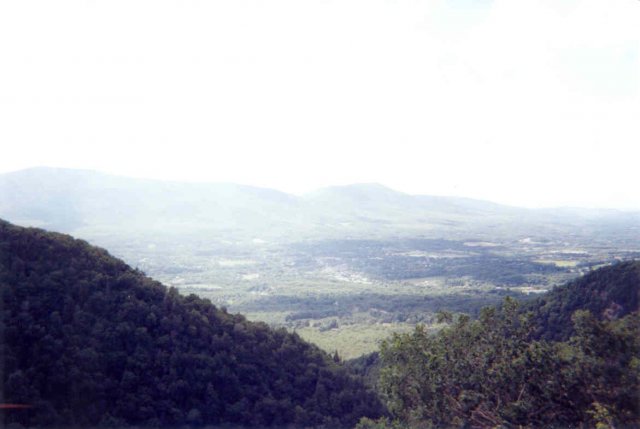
344, 266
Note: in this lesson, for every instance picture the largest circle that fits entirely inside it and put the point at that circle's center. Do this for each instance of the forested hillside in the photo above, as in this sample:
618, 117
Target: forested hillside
608, 293
88, 341
501, 371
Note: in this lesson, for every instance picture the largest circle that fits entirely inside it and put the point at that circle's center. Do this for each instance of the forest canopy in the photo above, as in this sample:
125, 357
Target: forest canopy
501, 370
88, 341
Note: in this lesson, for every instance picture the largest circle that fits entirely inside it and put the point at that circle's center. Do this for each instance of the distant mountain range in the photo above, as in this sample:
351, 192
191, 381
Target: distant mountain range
89, 203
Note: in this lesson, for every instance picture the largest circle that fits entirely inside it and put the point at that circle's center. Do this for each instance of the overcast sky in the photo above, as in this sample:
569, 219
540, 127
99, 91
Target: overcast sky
532, 102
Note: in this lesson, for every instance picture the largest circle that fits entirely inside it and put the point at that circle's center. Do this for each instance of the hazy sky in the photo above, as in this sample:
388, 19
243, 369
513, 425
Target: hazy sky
532, 102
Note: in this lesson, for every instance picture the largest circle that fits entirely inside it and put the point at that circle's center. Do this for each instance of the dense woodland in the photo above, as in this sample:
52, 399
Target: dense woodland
608, 293
88, 341
504, 370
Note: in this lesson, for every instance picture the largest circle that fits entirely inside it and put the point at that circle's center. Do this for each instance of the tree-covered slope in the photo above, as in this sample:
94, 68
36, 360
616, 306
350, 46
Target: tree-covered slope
88, 341
569, 360
490, 372
608, 293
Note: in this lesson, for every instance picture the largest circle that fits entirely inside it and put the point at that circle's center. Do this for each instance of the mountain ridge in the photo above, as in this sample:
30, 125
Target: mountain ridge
361, 186
87, 203
609, 293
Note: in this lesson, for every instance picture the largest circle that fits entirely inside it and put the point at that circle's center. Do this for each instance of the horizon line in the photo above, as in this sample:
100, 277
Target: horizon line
324, 187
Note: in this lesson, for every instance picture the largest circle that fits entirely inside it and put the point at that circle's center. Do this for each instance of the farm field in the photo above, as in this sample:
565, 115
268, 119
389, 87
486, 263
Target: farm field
347, 295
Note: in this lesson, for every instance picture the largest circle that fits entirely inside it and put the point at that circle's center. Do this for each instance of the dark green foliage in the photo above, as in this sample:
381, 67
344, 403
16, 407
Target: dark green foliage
499, 371
608, 293
490, 373
88, 341
366, 366
604, 363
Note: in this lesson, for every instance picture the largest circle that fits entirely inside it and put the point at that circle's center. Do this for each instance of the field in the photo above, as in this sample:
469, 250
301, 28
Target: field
352, 341
347, 295
363, 258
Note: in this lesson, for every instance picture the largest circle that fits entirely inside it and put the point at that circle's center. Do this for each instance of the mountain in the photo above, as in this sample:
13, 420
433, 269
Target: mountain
90, 204
372, 202
89, 201
609, 293
88, 341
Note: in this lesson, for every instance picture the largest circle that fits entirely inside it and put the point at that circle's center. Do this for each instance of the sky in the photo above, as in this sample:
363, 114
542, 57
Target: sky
532, 103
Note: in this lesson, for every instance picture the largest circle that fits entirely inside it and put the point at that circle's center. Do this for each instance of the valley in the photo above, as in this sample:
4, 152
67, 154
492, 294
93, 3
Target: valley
343, 266
347, 295
234, 305
89, 341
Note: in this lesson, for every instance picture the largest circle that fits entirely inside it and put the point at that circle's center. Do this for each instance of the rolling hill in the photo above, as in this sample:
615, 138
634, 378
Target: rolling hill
88, 341
91, 204
609, 293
